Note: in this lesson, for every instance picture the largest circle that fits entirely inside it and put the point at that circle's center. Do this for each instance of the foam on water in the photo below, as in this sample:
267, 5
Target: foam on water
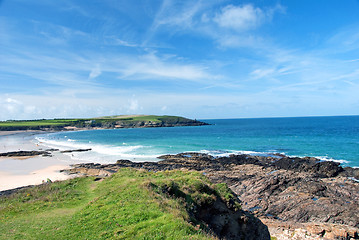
325, 158
102, 153
325, 138
226, 153
99, 153
270, 153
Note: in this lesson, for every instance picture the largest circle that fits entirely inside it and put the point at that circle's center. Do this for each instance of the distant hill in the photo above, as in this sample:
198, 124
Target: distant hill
108, 122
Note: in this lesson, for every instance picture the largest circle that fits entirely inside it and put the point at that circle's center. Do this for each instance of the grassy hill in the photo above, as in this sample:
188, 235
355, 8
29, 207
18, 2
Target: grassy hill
125, 121
131, 204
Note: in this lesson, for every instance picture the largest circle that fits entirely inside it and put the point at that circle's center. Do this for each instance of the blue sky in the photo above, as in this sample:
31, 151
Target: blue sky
200, 59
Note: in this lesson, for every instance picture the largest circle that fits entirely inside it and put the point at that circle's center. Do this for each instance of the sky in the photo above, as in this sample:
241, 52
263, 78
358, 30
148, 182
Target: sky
198, 59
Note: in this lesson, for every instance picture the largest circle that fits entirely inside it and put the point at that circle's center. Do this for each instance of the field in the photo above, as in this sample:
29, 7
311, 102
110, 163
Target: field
34, 123
131, 204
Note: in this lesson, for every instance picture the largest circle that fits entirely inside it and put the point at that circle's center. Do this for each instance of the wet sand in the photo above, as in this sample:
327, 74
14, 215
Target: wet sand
22, 171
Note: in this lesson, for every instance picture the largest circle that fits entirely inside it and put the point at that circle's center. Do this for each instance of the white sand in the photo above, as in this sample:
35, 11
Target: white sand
22, 171
10, 181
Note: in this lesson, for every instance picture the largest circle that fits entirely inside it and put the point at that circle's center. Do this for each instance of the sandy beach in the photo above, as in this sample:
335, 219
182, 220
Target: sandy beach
22, 171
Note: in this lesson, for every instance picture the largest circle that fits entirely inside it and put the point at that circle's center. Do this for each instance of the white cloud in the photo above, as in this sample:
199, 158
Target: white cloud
245, 17
113, 40
69, 69
233, 26
234, 41
293, 101
13, 101
260, 73
10, 106
124, 43
57, 34
240, 18
30, 109
353, 60
345, 40
178, 14
133, 106
354, 75
95, 72
151, 66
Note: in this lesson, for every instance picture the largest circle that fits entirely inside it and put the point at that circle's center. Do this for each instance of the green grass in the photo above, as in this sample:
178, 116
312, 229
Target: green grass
131, 204
40, 123
32, 123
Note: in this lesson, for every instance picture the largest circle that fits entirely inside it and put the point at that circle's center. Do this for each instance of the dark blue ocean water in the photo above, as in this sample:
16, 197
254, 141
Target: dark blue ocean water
328, 138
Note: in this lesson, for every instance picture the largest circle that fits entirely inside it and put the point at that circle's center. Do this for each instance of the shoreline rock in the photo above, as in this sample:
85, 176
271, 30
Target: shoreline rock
27, 153
76, 150
44, 153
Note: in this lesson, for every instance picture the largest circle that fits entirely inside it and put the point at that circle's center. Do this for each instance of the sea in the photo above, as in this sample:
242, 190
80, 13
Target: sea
326, 138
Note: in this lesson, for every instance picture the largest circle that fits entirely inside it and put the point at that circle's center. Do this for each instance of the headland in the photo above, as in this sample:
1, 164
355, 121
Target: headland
108, 122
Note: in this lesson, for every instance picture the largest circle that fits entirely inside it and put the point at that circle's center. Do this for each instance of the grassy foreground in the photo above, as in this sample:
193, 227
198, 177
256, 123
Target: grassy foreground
131, 204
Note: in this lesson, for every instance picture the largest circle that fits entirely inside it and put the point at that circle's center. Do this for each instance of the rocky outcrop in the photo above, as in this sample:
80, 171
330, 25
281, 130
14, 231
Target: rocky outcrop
227, 223
148, 124
76, 150
309, 231
28, 153
322, 198
219, 215
92, 169
45, 153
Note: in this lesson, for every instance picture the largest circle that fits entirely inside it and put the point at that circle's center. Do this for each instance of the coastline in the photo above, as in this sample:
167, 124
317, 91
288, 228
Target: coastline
20, 171
269, 187
32, 167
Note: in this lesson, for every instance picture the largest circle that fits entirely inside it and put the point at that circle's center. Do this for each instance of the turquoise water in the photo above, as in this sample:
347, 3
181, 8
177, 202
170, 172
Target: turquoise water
328, 138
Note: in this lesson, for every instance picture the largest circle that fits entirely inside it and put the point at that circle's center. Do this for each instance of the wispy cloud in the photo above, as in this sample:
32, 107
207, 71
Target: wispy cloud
236, 25
113, 40
95, 72
87, 70
230, 26
180, 14
150, 66
133, 105
54, 34
347, 39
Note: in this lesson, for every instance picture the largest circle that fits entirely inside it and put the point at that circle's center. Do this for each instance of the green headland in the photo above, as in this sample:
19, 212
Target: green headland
108, 122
